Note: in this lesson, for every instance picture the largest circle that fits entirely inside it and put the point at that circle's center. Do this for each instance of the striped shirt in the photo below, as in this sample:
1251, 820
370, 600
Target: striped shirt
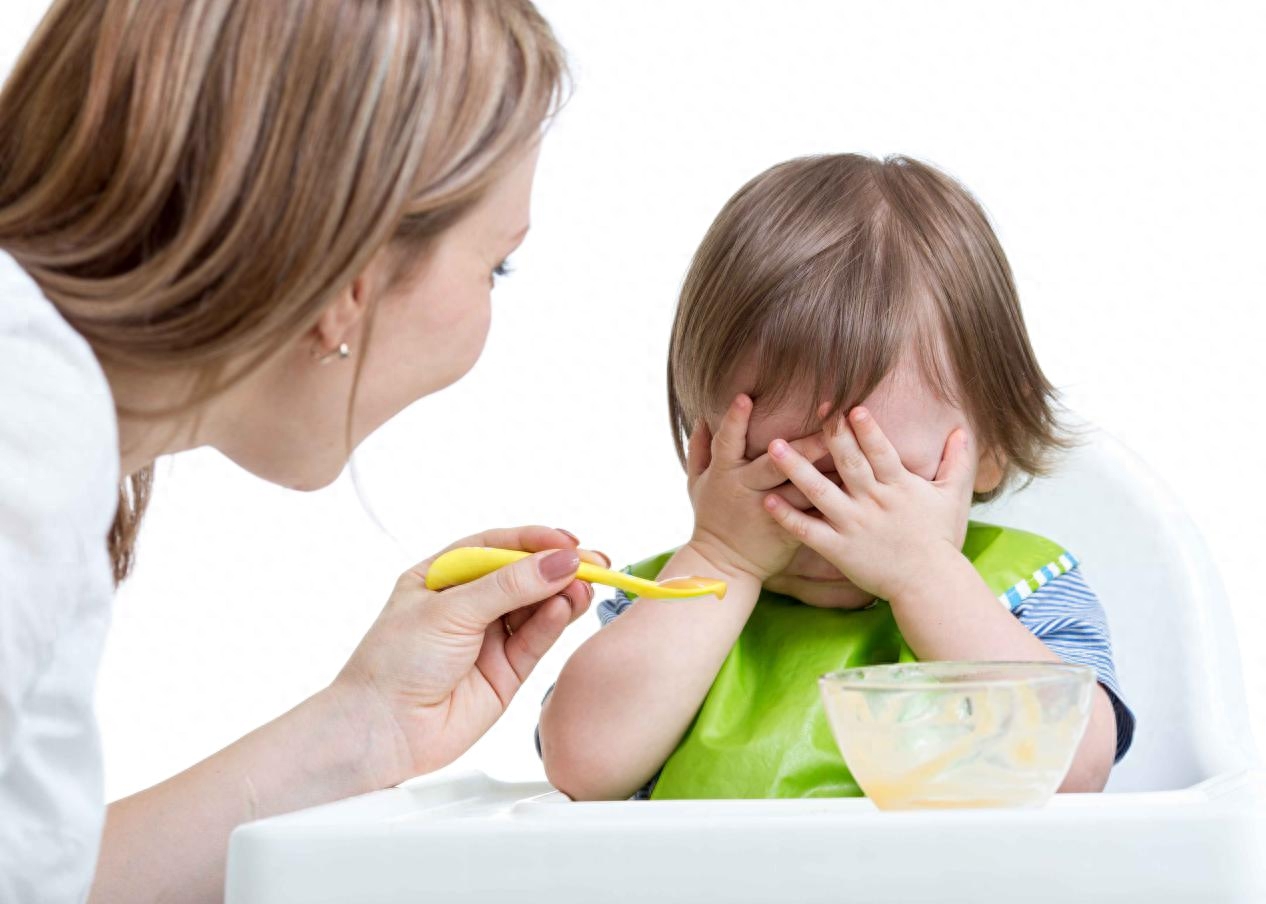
1063, 613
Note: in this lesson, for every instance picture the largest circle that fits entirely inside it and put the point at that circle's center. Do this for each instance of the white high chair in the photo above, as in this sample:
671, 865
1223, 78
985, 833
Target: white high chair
1186, 821
1173, 642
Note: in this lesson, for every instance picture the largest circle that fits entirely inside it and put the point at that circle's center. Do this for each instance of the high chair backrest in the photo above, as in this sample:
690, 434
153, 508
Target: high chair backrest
1175, 647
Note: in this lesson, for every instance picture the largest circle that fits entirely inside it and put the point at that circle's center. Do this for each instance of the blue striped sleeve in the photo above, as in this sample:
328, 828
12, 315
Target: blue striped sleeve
1066, 615
610, 610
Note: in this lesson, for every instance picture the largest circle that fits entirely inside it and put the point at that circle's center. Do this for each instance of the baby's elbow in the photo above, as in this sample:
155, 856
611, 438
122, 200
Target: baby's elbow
1087, 778
571, 764
574, 772
1093, 764
572, 779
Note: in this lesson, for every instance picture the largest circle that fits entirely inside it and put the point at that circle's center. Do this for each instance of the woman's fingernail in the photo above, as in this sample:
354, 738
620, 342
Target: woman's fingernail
606, 558
860, 414
563, 530
560, 564
778, 448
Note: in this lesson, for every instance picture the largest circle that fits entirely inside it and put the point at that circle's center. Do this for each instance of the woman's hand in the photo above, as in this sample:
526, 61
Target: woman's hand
433, 673
884, 526
437, 669
726, 491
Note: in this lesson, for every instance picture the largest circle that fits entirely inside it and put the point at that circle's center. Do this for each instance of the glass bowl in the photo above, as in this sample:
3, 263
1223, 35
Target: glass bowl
959, 734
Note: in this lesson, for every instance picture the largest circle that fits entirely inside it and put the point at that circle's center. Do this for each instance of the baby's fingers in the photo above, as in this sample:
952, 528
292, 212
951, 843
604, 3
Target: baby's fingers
812, 532
884, 460
797, 499
764, 473
850, 460
819, 491
729, 446
957, 466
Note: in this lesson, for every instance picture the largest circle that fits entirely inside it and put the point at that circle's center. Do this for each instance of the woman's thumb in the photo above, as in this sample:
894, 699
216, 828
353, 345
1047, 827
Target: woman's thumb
531, 580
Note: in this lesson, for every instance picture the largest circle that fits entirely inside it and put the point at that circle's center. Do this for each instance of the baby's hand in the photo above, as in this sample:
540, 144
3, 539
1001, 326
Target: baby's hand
885, 525
727, 490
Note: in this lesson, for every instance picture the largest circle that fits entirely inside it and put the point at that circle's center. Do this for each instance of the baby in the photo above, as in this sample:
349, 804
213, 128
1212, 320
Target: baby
849, 370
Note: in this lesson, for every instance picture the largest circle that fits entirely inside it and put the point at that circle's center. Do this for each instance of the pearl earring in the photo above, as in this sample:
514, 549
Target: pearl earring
342, 353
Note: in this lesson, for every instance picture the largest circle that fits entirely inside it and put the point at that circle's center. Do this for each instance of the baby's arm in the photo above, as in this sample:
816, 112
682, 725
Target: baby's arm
899, 537
951, 592
627, 696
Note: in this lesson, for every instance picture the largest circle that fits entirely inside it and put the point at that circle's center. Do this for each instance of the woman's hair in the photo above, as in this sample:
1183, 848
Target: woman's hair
190, 182
826, 271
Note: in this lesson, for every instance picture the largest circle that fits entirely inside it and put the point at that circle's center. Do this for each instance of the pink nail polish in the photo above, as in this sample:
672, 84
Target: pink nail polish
563, 530
778, 448
559, 564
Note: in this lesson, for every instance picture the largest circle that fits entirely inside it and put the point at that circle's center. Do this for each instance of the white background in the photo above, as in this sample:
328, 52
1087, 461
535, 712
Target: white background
1118, 148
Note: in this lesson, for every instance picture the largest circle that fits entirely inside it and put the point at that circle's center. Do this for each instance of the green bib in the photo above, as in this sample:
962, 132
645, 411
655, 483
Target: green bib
761, 731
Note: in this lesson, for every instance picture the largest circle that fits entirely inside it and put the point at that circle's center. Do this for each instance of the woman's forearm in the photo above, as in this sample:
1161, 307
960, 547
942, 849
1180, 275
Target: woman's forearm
169, 843
629, 693
950, 614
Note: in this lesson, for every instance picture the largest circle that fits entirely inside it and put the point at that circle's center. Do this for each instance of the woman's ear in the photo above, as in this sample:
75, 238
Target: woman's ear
342, 316
990, 470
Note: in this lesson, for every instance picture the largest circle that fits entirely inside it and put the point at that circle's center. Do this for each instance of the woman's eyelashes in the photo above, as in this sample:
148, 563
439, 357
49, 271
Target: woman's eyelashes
502, 270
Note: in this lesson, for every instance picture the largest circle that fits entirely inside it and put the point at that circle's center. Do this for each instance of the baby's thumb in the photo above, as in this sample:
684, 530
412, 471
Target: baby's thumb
957, 466
531, 580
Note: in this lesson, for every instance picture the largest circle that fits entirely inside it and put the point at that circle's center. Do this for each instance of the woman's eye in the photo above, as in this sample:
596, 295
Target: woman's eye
502, 269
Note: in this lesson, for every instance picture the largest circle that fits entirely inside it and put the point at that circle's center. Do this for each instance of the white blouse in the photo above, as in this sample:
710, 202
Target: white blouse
59, 469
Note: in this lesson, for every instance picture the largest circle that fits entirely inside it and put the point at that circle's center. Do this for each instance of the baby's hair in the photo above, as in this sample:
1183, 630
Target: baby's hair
826, 270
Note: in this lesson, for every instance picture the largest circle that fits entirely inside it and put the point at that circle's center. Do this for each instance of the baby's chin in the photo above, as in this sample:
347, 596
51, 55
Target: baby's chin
838, 594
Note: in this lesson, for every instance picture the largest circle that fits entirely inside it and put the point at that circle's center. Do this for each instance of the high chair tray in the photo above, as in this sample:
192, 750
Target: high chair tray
473, 839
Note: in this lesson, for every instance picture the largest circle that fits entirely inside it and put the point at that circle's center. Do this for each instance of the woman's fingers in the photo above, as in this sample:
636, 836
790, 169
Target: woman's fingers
763, 473
819, 491
578, 596
850, 460
523, 583
532, 639
729, 446
884, 461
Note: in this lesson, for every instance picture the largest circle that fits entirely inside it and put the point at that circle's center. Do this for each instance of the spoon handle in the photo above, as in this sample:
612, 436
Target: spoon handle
469, 563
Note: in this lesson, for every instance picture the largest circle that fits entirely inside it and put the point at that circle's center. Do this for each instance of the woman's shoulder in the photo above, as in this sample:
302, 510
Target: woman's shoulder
58, 434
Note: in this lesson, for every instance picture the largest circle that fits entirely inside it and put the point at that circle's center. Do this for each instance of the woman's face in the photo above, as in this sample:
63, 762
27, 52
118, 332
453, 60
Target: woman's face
287, 423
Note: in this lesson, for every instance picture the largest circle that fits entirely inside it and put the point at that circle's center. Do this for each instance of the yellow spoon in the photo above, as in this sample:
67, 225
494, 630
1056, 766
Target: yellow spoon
468, 563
